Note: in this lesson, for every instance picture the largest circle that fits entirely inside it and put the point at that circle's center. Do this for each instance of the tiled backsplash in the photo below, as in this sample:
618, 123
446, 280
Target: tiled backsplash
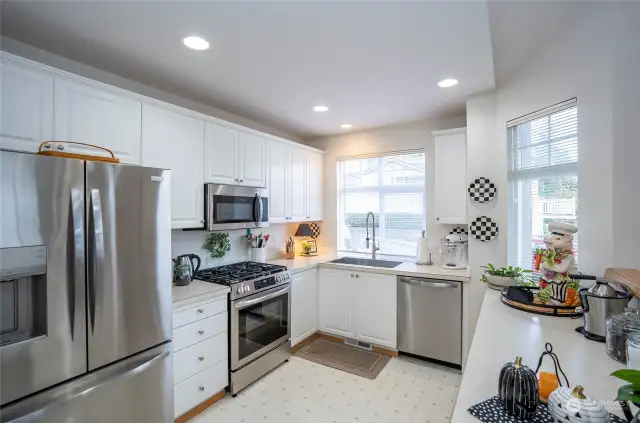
185, 242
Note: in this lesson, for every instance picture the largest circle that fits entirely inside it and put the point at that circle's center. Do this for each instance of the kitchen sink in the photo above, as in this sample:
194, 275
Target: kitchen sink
387, 264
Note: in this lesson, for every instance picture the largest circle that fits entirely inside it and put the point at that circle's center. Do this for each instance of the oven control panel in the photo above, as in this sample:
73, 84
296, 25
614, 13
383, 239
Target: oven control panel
270, 281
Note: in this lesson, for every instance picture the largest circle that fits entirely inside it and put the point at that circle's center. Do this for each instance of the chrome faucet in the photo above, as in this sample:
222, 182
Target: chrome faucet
375, 247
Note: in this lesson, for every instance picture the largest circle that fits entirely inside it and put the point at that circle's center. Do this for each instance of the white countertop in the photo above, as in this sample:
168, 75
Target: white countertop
503, 333
405, 269
196, 291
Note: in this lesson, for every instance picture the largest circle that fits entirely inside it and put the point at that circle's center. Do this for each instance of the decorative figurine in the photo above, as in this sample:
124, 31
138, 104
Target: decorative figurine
572, 405
518, 390
556, 263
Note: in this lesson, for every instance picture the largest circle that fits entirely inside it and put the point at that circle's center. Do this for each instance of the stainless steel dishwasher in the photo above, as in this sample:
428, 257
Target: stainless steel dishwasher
430, 318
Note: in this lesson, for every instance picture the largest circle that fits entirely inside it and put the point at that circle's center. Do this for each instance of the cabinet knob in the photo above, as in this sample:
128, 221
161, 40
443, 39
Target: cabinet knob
201, 388
352, 275
201, 332
437, 218
200, 310
61, 147
357, 276
241, 180
201, 358
47, 145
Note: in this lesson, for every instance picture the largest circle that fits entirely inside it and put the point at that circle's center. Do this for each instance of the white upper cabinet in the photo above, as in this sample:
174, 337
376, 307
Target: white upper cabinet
295, 183
221, 152
171, 140
298, 183
97, 115
278, 165
26, 107
450, 162
314, 186
252, 160
234, 157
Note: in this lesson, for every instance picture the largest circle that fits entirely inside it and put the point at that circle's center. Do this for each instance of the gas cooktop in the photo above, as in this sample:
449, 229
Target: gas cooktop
238, 272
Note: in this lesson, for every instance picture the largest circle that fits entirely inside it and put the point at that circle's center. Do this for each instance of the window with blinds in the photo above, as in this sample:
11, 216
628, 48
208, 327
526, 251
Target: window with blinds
393, 188
543, 178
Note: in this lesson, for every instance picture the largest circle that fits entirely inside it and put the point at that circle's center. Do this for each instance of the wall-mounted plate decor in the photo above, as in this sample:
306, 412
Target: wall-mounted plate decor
484, 229
482, 190
315, 228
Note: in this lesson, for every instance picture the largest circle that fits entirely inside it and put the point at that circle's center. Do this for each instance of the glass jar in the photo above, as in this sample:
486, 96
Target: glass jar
619, 326
633, 351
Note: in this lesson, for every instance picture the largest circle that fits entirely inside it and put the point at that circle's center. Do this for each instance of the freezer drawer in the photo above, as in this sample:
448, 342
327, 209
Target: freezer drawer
138, 389
430, 318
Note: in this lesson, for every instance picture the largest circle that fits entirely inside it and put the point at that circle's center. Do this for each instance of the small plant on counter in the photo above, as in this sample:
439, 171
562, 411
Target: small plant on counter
520, 276
306, 247
630, 392
217, 243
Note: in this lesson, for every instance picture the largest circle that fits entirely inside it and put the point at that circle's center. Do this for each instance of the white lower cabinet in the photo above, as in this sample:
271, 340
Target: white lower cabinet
304, 305
359, 305
201, 353
336, 303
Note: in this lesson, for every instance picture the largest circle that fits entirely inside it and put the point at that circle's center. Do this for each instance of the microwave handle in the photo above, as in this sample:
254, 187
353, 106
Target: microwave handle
257, 201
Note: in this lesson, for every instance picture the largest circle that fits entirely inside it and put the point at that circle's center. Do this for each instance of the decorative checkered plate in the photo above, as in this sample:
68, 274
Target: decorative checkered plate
484, 229
482, 190
491, 411
315, 228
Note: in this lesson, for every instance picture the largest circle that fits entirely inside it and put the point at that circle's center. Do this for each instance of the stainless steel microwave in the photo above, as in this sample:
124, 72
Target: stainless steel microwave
234, 207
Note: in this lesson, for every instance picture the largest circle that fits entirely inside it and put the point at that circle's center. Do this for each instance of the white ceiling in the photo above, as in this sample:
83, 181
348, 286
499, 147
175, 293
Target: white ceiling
372, 63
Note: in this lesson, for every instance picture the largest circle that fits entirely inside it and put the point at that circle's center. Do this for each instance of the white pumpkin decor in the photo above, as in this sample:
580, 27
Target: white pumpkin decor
568, 405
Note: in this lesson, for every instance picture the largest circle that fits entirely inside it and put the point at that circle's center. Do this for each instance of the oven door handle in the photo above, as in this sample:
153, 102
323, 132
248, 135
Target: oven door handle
244, 304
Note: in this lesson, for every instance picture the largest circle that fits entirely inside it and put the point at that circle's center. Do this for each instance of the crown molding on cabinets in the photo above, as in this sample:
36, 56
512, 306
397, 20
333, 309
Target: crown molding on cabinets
452, 131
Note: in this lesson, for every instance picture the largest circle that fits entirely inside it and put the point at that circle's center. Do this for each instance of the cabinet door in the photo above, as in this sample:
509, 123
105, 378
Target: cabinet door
252, 160
26, 107
336, 311
298, 184
314, 186
278, 163
304, 304
174, 141
96, 115
221, 155
376, 310
450, 163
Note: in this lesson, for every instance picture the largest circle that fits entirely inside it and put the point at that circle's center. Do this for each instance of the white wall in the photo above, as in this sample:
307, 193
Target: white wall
29, 52
598, 61
185, 242
408, 136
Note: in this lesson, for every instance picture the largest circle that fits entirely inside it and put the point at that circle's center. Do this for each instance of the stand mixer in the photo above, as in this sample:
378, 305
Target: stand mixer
455, 251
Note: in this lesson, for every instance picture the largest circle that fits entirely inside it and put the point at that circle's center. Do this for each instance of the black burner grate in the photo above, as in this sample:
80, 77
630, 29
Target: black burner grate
237, 272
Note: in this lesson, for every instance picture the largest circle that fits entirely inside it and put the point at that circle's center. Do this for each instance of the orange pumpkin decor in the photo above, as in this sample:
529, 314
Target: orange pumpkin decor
549, 382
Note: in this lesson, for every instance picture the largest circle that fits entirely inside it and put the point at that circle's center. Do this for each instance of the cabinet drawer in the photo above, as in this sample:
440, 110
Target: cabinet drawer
199, 331
198, 313
198, 357
199, 388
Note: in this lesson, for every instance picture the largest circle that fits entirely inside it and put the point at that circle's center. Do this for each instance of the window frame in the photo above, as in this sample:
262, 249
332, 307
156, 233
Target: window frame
520, 201
381, 191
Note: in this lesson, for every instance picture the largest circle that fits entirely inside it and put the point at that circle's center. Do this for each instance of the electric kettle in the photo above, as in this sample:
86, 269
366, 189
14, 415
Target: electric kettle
184, 268
598, 302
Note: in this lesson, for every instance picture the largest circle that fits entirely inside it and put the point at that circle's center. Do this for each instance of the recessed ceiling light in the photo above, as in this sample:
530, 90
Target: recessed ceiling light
320, 108
446, 83
346, 125
196, 43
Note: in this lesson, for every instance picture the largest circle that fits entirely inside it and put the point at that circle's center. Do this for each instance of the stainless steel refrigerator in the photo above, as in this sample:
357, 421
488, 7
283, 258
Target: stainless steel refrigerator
85, 292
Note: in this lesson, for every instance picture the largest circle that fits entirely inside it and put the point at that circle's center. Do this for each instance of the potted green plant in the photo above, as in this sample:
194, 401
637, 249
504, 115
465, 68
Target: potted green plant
631, 391
217, 243
502, 277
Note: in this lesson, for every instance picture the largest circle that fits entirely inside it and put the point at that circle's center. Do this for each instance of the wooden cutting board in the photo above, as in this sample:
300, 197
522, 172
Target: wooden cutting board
630, 278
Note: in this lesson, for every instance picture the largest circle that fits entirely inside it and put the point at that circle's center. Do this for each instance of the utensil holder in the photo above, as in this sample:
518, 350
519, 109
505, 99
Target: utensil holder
259, 255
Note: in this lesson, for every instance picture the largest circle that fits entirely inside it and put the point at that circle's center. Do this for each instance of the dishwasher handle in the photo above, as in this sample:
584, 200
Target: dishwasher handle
428, 283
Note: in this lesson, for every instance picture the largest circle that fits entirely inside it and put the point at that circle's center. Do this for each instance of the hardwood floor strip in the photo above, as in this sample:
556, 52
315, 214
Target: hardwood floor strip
200, 408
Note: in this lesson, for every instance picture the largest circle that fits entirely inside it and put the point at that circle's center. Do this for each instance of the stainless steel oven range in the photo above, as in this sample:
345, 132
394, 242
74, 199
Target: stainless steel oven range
259, 310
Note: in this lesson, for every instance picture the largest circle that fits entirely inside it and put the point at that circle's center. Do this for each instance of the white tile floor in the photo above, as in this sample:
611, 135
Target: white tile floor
300, 391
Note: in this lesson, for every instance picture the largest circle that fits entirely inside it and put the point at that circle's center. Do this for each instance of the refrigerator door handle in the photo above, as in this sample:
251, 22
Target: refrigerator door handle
96, 258
77, 237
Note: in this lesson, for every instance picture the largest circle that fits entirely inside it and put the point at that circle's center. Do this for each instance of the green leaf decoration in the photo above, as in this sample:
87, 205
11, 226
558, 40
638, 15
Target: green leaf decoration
217, 243
628, 375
